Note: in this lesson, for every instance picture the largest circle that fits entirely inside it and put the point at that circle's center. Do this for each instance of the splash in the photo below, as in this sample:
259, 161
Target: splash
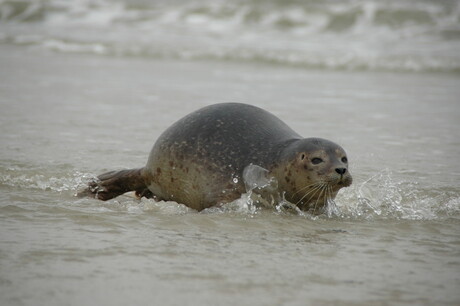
378, 197
381, 196
43, 179
262, 192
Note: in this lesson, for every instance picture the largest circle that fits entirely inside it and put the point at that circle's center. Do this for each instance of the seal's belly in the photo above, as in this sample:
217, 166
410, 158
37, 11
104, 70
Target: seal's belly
193, 182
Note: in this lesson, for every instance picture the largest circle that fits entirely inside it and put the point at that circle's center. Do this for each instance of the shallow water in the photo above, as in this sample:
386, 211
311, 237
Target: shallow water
68, 115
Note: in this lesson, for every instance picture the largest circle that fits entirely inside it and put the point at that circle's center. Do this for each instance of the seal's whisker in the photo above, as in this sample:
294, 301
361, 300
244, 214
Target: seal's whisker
313, 190
328, 196
323, 189
305, 187
312, 193
326, 191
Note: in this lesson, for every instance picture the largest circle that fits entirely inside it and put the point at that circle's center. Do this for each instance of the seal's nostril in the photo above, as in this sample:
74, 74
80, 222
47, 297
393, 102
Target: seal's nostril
341, 171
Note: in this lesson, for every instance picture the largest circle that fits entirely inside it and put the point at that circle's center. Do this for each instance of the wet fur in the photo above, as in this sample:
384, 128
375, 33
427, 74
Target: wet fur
200, 159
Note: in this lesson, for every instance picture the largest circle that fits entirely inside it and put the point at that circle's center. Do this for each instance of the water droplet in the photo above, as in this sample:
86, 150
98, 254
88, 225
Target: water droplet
235, 180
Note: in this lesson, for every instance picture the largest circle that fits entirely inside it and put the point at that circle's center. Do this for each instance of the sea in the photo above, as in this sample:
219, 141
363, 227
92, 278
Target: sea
87, 86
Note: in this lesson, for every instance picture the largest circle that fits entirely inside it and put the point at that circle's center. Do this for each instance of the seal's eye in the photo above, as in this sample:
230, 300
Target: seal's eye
316, 161
344, 160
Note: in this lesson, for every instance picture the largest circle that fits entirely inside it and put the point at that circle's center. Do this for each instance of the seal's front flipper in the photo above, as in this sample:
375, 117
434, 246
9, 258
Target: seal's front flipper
114, 183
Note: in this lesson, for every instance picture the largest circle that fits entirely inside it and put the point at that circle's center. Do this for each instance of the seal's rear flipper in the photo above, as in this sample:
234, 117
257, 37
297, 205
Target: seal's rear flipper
114, 183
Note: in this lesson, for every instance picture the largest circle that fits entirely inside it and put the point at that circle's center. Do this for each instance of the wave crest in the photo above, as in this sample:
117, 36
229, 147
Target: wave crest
347, 35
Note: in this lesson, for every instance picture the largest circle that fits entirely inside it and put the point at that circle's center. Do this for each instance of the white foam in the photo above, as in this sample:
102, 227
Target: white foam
321, 35
380, 196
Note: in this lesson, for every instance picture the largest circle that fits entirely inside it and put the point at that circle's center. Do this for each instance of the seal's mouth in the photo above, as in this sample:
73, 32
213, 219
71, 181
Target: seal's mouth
319, 194
344, 180
340, 182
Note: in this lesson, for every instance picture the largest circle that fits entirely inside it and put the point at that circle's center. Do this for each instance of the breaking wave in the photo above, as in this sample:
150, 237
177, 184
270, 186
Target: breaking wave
416, 36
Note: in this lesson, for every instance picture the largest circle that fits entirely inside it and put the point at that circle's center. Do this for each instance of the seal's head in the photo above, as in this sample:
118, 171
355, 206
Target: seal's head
314, 171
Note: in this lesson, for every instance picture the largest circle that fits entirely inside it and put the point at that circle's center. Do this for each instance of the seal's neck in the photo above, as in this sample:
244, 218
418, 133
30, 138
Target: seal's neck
288, 149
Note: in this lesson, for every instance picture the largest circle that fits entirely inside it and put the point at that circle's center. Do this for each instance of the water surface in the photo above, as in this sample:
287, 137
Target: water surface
78, 99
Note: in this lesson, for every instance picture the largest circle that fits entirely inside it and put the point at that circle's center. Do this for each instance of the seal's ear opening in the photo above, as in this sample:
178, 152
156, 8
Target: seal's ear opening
302, 156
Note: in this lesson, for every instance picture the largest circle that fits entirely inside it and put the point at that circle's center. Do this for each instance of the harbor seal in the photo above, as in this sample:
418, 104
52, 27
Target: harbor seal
201, 161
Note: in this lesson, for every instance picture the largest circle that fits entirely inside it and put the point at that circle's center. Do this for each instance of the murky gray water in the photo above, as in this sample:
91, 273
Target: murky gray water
69, 114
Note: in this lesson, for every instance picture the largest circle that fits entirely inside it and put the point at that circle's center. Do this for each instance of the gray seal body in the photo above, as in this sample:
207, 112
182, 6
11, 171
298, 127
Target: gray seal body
199, 161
